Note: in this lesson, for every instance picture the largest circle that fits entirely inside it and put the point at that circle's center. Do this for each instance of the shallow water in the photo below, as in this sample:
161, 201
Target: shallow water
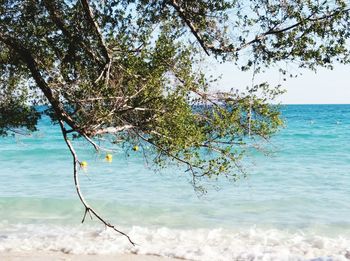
294, 205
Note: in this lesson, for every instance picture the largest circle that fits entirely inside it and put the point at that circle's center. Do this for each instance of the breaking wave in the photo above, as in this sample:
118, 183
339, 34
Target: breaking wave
198, 244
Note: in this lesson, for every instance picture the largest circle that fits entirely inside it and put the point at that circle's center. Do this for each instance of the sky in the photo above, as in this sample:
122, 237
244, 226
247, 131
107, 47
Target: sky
323, 87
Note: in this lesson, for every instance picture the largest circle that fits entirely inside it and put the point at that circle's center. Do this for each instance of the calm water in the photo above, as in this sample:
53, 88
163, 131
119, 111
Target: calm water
294, 205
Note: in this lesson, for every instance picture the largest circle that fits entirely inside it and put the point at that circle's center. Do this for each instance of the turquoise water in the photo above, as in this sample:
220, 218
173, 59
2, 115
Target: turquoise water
294, 204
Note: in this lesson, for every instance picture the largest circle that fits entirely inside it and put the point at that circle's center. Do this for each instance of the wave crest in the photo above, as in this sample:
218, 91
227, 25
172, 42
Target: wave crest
200, 244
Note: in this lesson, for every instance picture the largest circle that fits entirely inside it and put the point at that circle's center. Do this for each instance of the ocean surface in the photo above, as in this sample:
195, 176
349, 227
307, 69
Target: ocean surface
293, 205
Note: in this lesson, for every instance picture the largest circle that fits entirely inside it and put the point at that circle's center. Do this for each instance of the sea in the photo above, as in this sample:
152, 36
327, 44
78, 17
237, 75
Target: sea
293, 204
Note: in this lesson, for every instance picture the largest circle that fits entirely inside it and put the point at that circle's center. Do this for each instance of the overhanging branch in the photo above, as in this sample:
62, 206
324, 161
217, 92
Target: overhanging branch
230, 48
88, 208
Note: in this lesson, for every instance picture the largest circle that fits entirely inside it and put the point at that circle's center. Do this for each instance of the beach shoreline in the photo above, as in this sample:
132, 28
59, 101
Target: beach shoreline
60, 256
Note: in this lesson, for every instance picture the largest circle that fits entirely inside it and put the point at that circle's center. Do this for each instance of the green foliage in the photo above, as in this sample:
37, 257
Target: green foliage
129, 68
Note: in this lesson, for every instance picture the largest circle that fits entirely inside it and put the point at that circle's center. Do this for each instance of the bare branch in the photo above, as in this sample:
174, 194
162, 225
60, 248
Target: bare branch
101, 74
137, 93
113, 130
101, 99
97, 147
88, 208
94, 144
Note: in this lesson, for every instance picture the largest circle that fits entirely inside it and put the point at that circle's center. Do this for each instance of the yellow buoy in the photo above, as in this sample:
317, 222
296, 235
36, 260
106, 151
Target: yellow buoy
83, 164
109, 157
135, 148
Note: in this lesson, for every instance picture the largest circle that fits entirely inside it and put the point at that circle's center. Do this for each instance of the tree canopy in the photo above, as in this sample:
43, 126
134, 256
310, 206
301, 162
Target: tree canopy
130, 70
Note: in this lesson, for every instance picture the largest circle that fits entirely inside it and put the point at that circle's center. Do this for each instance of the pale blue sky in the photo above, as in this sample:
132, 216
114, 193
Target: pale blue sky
323, 87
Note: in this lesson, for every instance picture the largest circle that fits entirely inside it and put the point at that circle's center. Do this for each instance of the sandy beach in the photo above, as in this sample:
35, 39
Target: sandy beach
59, 256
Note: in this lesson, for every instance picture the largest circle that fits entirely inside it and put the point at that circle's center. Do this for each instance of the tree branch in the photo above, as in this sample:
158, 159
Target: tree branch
74, 39
112, 130
192, 27
230, 48
63, 117
274, 32
32, 65
88, 208
90, 17
188, 164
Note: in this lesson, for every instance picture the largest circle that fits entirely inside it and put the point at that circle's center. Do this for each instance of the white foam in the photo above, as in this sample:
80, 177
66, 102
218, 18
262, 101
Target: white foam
201, 244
